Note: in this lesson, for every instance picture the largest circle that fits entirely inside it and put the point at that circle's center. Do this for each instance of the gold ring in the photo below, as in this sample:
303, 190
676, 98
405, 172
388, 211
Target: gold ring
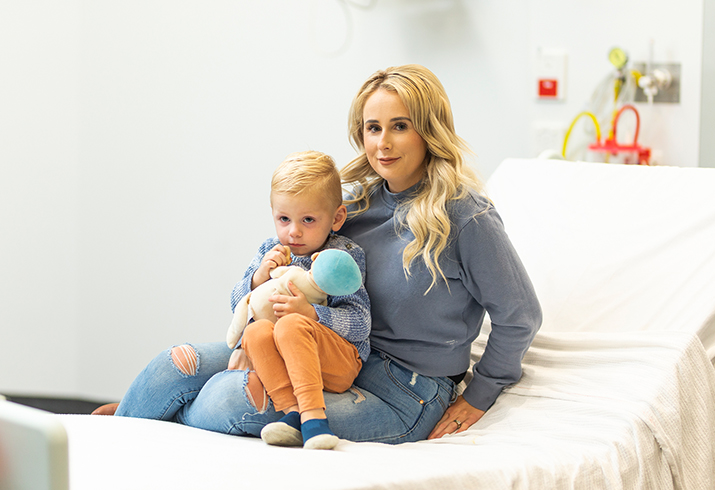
459, 424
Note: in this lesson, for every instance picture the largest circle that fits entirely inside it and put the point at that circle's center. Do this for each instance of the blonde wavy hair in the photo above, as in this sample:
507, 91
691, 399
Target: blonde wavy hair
447, 176
308, 171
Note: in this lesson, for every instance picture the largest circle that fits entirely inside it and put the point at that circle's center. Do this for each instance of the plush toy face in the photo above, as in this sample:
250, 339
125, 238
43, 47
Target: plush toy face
336, 273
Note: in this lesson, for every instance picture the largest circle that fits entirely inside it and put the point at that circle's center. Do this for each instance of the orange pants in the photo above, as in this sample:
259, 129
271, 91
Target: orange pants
297, 358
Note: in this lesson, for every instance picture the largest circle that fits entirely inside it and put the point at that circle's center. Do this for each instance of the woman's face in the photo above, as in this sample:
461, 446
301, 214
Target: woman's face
394, 149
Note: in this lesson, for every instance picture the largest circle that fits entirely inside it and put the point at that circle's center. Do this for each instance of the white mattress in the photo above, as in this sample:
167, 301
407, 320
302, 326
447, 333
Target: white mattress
591, 411
618, 391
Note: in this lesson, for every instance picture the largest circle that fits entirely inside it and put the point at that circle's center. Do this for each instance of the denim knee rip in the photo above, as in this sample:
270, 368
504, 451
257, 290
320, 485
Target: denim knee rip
185, 359
249, 395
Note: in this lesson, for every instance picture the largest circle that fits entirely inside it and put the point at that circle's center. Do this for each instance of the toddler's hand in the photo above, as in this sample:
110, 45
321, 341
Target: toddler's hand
278, 256
284, 304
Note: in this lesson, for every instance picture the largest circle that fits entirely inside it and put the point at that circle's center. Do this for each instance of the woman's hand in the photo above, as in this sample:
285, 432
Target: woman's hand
459, 417
278, 256
239, 360
284, 304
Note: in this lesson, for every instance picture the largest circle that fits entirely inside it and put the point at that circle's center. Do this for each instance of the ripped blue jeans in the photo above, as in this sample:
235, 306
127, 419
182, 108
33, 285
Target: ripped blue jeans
387, 402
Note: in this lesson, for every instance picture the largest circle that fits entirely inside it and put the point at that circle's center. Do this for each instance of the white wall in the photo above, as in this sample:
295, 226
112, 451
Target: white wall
707, 116
137, 139
39, 220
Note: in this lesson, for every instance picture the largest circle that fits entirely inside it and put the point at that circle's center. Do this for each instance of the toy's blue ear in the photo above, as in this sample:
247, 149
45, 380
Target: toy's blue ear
336, 272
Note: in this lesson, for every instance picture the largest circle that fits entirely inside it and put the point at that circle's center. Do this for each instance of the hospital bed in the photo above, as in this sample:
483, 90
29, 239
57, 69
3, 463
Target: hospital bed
618, 388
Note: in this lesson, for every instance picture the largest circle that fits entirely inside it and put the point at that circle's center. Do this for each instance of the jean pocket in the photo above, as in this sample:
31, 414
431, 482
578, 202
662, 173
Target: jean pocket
447, 391
418, 390
419, 400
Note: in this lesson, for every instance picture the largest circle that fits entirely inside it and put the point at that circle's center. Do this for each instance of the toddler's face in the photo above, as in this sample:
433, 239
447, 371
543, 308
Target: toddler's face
304, 222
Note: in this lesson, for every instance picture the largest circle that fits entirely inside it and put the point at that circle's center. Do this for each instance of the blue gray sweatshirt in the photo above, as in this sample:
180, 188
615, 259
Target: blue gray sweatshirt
432, 334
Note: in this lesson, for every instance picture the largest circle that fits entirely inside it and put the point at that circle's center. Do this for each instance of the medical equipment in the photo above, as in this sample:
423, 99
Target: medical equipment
617, 88
573, 123
614, 152
608, 102
611, 151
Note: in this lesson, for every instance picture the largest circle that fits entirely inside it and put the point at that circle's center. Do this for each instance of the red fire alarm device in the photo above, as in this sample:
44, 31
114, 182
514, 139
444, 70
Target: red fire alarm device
550, 71
548, 88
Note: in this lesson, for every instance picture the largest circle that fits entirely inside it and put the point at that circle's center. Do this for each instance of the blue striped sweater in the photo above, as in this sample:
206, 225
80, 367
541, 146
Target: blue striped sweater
348, 316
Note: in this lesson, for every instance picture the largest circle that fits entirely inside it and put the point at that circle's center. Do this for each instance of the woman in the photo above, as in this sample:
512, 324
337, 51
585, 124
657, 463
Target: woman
437, 259
437, 255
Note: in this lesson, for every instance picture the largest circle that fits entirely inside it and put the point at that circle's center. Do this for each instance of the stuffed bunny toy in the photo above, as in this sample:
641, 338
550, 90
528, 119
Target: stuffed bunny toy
332, 273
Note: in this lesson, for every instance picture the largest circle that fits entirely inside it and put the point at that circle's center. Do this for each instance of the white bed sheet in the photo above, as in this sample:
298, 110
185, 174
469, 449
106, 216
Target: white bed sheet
591, 411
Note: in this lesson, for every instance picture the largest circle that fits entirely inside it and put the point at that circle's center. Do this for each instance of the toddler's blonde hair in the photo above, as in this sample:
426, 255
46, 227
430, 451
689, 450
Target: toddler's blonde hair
308, 171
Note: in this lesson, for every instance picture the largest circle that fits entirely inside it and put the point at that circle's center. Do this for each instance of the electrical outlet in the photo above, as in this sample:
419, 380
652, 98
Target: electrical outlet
670, 94
547, 135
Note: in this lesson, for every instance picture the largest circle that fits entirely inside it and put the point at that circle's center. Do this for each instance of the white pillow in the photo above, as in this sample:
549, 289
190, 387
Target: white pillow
613, 247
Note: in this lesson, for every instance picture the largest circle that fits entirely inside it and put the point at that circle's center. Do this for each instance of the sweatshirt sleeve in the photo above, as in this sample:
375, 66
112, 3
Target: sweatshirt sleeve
496, 277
